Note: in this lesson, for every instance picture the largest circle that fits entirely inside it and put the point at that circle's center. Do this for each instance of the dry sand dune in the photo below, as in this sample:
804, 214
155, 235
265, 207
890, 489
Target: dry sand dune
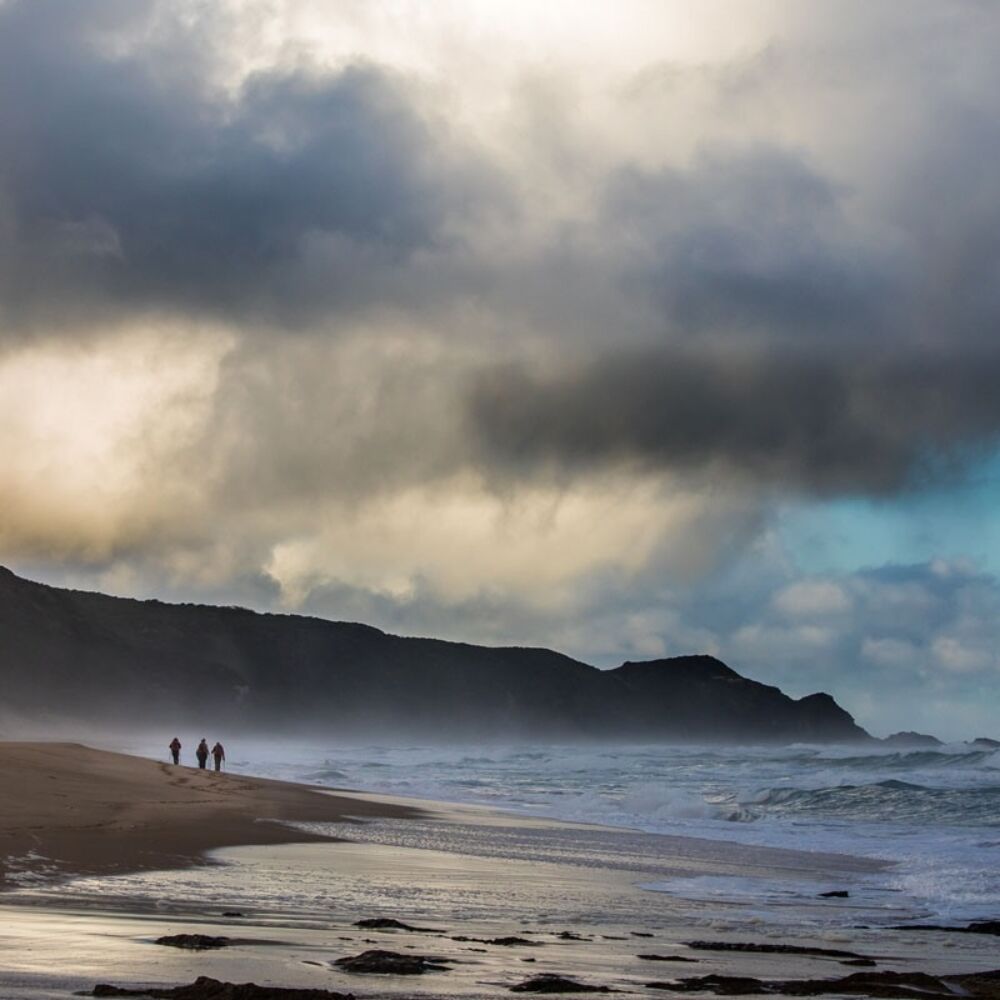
88, 811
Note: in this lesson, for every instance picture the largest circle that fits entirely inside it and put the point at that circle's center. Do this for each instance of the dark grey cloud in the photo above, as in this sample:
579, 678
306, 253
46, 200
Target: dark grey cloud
790, 340
130, 181
747, 240
836, 423
774, 274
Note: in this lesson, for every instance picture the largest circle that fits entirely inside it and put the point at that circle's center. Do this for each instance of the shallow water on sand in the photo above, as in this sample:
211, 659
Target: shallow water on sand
443, 867
462, 875
935, 813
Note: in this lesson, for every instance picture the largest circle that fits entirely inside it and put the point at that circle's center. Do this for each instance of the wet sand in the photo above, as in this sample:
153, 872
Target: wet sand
69, 809
94, 932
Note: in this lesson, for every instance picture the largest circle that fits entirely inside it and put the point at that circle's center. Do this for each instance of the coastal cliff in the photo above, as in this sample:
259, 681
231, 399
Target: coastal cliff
73, 655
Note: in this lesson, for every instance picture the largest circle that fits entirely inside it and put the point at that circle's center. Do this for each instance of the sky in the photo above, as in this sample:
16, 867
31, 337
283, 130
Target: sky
630, 329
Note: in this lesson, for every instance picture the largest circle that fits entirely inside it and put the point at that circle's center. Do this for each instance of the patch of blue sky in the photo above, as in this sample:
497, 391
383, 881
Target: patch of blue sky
961, 520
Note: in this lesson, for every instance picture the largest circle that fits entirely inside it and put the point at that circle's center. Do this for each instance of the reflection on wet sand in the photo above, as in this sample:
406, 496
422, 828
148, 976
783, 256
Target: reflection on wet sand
567, 915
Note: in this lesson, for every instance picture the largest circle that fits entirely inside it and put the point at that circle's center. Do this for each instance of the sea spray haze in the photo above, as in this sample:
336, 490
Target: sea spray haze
73, 656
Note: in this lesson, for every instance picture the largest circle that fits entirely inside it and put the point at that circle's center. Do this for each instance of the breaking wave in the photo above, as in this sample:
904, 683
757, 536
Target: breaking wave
934, 812
906, 760
892, 801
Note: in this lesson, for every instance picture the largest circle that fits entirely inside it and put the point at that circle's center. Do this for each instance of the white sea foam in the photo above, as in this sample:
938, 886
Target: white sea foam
934, 812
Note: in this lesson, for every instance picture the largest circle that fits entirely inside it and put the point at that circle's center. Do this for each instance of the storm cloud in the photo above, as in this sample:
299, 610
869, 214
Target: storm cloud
135, 181
847, 424
504, 325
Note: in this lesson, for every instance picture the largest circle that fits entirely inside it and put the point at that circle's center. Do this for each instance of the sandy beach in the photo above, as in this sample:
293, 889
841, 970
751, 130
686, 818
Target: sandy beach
75, 810
102, 859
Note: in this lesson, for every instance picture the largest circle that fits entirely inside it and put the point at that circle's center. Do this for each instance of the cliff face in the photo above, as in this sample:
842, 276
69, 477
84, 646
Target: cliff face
72, 655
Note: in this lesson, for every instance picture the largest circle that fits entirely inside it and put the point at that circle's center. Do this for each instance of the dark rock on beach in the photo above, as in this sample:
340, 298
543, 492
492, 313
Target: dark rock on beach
389, 924
640, 934
980, 984
772, 949
719, 985
194, 942
885, 985
204, 988
391, 962
549, 983
666, 958
976, 927
835, 894
983, 927
504, 942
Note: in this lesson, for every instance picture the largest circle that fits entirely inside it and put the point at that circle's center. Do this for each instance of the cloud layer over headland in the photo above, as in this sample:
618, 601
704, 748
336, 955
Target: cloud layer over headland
482, 321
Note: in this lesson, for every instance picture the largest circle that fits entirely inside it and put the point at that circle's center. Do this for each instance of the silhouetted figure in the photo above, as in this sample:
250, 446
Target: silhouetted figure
219, 753
175, 749
202, 753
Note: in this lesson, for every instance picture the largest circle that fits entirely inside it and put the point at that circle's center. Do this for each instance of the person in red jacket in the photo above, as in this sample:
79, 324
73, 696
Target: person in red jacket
175, 750
219, 753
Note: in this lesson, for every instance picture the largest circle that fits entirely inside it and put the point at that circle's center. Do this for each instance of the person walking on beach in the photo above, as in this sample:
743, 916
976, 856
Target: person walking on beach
219, 753
202, 753
175, 750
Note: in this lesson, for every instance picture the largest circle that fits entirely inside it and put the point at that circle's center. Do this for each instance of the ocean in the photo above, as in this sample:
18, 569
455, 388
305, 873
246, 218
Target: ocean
933, 813
910, 836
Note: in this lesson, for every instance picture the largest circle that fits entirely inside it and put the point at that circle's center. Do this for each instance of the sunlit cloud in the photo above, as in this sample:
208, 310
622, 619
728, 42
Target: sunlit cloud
92, 436
504, 321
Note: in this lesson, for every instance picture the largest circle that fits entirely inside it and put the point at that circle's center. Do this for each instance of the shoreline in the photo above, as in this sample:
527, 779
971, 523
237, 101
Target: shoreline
71, 810
197, 858
51, 951
78, 811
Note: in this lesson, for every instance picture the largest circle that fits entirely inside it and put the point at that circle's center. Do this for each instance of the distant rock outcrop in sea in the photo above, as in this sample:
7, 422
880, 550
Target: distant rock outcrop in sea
912, 741
985, 743
68, 655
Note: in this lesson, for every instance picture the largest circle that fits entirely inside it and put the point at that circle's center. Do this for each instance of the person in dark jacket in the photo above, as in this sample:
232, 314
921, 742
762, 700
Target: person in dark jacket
175, 750
219, 753
202, 753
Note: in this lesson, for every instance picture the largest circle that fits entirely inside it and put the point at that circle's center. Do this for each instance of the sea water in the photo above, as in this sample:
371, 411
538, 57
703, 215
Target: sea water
710, 834
933, 813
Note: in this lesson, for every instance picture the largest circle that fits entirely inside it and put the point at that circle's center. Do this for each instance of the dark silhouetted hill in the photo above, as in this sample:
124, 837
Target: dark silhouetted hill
67, 654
